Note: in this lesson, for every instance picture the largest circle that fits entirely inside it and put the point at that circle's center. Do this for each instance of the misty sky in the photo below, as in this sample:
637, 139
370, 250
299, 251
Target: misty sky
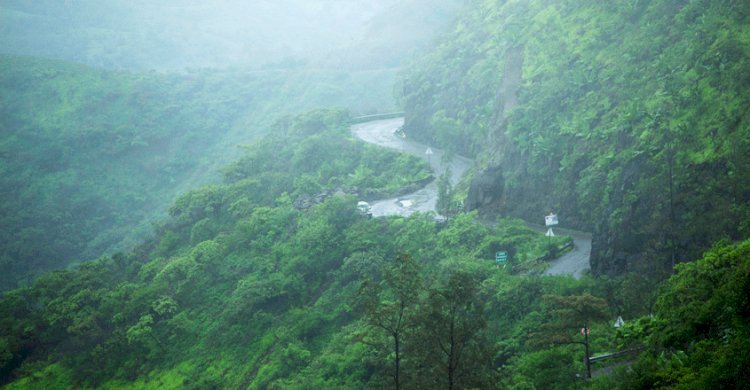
178, 34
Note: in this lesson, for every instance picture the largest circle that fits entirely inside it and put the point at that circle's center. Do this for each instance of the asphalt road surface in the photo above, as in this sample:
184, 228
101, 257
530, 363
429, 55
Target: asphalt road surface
383, 133
577, 261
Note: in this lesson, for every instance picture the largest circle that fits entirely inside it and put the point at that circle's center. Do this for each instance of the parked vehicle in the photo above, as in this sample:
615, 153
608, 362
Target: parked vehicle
364, 208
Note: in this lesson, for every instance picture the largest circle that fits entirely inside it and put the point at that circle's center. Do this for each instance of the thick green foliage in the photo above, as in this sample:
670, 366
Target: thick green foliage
631, 118
273, 279
698, 338
89, 159
241, 289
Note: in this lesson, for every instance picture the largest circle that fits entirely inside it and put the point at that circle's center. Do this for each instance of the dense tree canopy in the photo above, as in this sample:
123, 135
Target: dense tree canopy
91, 158
631, 119
241, 281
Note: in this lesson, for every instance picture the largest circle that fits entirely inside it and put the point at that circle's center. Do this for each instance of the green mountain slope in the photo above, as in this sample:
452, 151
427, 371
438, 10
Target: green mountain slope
242, 289
630, 119
698, 337
90, 158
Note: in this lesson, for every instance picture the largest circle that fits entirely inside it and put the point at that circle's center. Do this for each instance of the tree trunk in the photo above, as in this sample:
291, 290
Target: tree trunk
396, 376
451, 357
586, 345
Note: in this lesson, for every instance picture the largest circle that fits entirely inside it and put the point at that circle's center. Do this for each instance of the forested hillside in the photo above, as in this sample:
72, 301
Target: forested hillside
90, 158
185, 261
630, 119
240, 288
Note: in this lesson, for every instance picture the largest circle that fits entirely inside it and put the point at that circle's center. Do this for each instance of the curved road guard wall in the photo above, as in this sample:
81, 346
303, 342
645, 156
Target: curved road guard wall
376, 117
381, 132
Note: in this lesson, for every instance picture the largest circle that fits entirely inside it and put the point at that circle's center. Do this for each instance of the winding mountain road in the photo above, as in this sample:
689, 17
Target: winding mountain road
382, 133
577, 261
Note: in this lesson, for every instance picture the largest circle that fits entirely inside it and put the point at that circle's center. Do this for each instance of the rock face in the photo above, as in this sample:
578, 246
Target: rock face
613, 249
653, 159
486, 191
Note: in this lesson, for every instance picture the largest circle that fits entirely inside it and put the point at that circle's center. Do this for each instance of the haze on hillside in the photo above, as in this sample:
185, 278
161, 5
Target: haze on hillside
225, 72
341, 194
180, 34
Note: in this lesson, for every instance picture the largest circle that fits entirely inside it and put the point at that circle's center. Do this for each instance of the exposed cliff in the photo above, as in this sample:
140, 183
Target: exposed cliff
629, 119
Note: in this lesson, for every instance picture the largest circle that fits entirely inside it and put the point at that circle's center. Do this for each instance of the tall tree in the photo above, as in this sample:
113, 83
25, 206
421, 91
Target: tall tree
568, 322
453, 323
391, 304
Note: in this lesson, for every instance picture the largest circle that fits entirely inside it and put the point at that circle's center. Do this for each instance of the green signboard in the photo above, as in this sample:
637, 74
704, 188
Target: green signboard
501, 257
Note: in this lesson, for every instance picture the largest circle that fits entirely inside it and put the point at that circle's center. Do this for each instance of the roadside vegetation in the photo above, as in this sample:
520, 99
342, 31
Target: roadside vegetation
141, 248
241, 289
629, 118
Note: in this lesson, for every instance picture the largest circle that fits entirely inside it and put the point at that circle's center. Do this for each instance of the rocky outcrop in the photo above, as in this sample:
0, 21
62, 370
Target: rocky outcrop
306, 201
651, 158
486, 191
608, 255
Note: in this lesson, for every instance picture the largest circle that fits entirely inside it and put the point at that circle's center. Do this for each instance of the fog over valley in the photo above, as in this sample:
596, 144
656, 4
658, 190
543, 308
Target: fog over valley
350, 194
181, 34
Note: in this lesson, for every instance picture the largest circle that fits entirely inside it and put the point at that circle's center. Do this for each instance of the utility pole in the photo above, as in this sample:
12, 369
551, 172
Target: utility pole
585, 331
